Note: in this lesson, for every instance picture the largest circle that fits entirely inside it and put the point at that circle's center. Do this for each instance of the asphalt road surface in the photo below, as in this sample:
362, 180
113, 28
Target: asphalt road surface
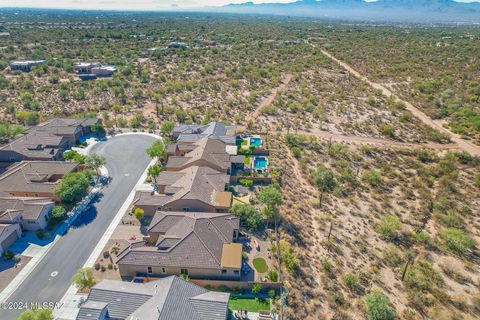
48, 282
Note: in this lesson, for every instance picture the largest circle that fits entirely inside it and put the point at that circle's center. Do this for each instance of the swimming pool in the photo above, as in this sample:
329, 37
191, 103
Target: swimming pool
260, 163
257, 142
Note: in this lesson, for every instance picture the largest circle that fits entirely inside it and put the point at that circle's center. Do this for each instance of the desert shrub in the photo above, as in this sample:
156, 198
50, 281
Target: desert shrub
388, 227
273, 275
422, 276
352, 282
288, 256
392, 256
138, 213
8, 255
456, 241
296, 152
387, 129
379, 307
372, 177
246, 182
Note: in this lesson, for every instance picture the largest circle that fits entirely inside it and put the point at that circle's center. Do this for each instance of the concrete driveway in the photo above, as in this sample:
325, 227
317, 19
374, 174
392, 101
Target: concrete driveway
48, 282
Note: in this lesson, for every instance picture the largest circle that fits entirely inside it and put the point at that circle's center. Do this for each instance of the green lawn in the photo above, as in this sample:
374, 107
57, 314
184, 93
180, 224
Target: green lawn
260, 265
249, 304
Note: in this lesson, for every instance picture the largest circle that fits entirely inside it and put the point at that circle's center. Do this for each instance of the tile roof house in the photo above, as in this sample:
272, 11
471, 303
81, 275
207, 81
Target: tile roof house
169, 298
31, 213
47, 141
197, 244
191, 189
194, 132
9, 233
35, 178
34, 146
204, 152
72, 129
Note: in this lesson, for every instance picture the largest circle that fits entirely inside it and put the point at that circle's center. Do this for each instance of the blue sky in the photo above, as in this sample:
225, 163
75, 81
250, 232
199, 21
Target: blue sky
131, 4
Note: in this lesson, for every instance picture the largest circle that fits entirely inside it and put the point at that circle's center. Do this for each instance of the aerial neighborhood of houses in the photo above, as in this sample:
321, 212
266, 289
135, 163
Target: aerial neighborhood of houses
189, 231
32, 168
187, 237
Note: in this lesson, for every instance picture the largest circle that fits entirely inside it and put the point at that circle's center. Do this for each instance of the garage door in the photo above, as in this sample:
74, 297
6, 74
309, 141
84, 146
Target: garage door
9, 240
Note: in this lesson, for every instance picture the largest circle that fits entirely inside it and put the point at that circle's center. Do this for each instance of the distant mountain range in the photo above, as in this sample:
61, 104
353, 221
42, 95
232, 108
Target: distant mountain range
380, 11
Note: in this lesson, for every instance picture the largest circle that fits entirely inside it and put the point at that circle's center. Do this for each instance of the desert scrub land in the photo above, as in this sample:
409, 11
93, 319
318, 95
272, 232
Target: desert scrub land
197, 84
436, 69
382, 210
322, 96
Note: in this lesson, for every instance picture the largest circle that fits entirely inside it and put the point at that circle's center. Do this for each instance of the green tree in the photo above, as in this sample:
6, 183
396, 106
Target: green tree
379, 307
36, 314
94, 162
74, 156
83, 279
7, 130
57, 215
72, 187
157, 150
256, 288
249, 216
324, 180
154, 171
271, 197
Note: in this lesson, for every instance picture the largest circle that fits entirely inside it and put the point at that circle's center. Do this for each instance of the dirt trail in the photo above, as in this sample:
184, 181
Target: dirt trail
373, 141
462, 143
270, 98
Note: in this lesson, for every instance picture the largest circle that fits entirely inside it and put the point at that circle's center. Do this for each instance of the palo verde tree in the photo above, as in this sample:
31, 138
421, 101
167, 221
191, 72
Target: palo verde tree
324, 180
157, 150
154, 171
271, 197
83, 279
94, 162
36, 314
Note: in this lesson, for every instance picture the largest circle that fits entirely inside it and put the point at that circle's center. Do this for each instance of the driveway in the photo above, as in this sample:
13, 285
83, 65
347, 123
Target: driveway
48, 282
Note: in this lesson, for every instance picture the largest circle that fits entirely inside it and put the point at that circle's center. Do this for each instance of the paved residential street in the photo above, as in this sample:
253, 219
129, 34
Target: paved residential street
126, 161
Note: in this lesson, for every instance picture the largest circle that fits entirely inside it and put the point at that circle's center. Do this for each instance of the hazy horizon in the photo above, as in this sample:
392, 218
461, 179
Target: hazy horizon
134, 5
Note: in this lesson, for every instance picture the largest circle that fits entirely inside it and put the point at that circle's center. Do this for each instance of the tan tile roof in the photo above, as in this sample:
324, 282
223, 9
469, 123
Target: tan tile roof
194, 183
188, 239
34, 176
232, 255
211, 151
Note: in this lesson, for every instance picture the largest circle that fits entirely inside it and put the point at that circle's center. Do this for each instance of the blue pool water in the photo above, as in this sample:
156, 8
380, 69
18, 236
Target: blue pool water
260, 163
257, 142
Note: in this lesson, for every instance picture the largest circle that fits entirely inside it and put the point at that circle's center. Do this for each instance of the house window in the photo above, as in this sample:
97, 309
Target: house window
184, 271
164, 270
224, 271
186, 209
236, 272
149, 270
